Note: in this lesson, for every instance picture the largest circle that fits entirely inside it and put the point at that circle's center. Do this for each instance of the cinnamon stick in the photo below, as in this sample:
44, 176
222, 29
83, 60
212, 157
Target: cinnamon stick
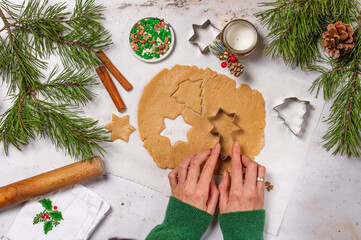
114, 71
110, 87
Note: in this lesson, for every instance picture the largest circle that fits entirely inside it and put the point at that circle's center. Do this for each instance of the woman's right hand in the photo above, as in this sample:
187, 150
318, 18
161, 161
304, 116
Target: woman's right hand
238, 195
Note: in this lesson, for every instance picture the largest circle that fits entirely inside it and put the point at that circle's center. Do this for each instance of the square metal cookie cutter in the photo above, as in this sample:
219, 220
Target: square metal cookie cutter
214, 132
286, 101
193, 38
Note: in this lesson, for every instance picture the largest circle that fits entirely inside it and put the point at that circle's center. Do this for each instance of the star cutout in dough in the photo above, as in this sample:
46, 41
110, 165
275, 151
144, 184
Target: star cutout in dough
189, 94
224, 126
176, 130
120, 128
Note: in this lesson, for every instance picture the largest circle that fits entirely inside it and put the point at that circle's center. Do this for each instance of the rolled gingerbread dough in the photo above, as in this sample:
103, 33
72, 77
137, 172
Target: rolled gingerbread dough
218, 90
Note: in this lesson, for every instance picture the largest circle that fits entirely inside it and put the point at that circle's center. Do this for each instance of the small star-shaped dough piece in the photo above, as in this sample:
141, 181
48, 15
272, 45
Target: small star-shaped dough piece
120, 128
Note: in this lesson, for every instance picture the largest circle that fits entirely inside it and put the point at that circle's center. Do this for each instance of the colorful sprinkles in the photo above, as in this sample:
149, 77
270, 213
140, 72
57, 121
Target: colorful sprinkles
151, 38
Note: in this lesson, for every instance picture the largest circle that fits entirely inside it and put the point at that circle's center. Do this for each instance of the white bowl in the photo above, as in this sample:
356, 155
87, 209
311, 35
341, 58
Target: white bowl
153, 60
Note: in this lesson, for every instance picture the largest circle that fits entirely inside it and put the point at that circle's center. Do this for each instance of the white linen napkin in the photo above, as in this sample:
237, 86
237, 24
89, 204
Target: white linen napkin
71, 213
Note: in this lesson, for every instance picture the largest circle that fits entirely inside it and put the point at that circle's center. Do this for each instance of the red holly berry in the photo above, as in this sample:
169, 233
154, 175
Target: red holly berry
55, 207
43, 217
232, 59
223, 64
47, 217
45, 214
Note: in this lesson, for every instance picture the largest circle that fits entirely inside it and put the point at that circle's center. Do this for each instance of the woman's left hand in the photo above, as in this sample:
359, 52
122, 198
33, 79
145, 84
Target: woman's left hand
198, 191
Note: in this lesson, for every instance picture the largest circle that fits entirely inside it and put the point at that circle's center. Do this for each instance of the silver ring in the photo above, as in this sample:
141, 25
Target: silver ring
260, 179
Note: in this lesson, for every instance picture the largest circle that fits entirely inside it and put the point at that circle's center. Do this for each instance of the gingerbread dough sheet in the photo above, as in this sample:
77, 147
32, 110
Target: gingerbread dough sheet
158, 101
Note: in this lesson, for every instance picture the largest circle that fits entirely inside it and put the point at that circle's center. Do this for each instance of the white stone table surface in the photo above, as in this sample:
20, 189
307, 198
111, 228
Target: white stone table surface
326, 200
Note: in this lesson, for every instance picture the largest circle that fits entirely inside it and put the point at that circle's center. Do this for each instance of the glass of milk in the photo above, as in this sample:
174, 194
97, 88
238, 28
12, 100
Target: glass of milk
240, 37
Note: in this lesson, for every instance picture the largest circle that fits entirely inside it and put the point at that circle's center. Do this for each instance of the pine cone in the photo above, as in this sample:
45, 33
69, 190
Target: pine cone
338, 39
236, 68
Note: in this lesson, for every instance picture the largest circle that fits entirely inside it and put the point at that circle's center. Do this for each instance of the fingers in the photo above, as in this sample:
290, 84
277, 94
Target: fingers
251, 174
183, 169
213, 197
236, 166
195, 166
224, 191
172, 177
246, 160
261, 185
207, 173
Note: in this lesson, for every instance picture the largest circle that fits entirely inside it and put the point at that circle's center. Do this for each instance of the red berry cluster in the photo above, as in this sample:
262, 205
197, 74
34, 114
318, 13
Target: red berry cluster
231, 58
45, 215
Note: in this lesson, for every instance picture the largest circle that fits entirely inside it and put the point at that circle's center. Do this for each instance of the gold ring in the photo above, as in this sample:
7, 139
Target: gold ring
260, 179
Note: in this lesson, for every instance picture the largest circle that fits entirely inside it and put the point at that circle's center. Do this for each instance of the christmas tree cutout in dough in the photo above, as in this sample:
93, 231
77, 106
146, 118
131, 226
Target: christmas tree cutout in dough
189, 94
120, 128
224, 126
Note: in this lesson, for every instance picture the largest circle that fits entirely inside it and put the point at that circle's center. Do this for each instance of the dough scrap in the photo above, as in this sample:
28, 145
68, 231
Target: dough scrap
189, 94
218, 91
120, 128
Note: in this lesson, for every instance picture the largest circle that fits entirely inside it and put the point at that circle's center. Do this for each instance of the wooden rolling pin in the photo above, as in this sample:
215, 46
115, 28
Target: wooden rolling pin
50, 181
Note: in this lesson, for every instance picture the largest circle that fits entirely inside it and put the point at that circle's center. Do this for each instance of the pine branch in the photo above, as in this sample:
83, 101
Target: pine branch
12, 127
79, 136
330, 81
7, 27
296, 26
342, 84
20, 106
351, 99
217, 48
80, 35
295, 19
344, 136
22, 68
70, 87
35, 30
11, 8
41, 11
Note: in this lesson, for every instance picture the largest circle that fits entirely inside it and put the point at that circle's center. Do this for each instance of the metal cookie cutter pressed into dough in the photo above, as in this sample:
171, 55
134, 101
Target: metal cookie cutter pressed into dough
213, 130
286, 102
193, 38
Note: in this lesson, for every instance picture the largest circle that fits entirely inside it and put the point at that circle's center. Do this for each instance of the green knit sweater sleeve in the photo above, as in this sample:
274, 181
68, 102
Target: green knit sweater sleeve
247, 225
182, 221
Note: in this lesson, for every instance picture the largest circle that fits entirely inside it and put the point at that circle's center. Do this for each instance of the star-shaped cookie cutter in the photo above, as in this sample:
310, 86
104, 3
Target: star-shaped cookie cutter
193, 38
213, 130
286, 101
